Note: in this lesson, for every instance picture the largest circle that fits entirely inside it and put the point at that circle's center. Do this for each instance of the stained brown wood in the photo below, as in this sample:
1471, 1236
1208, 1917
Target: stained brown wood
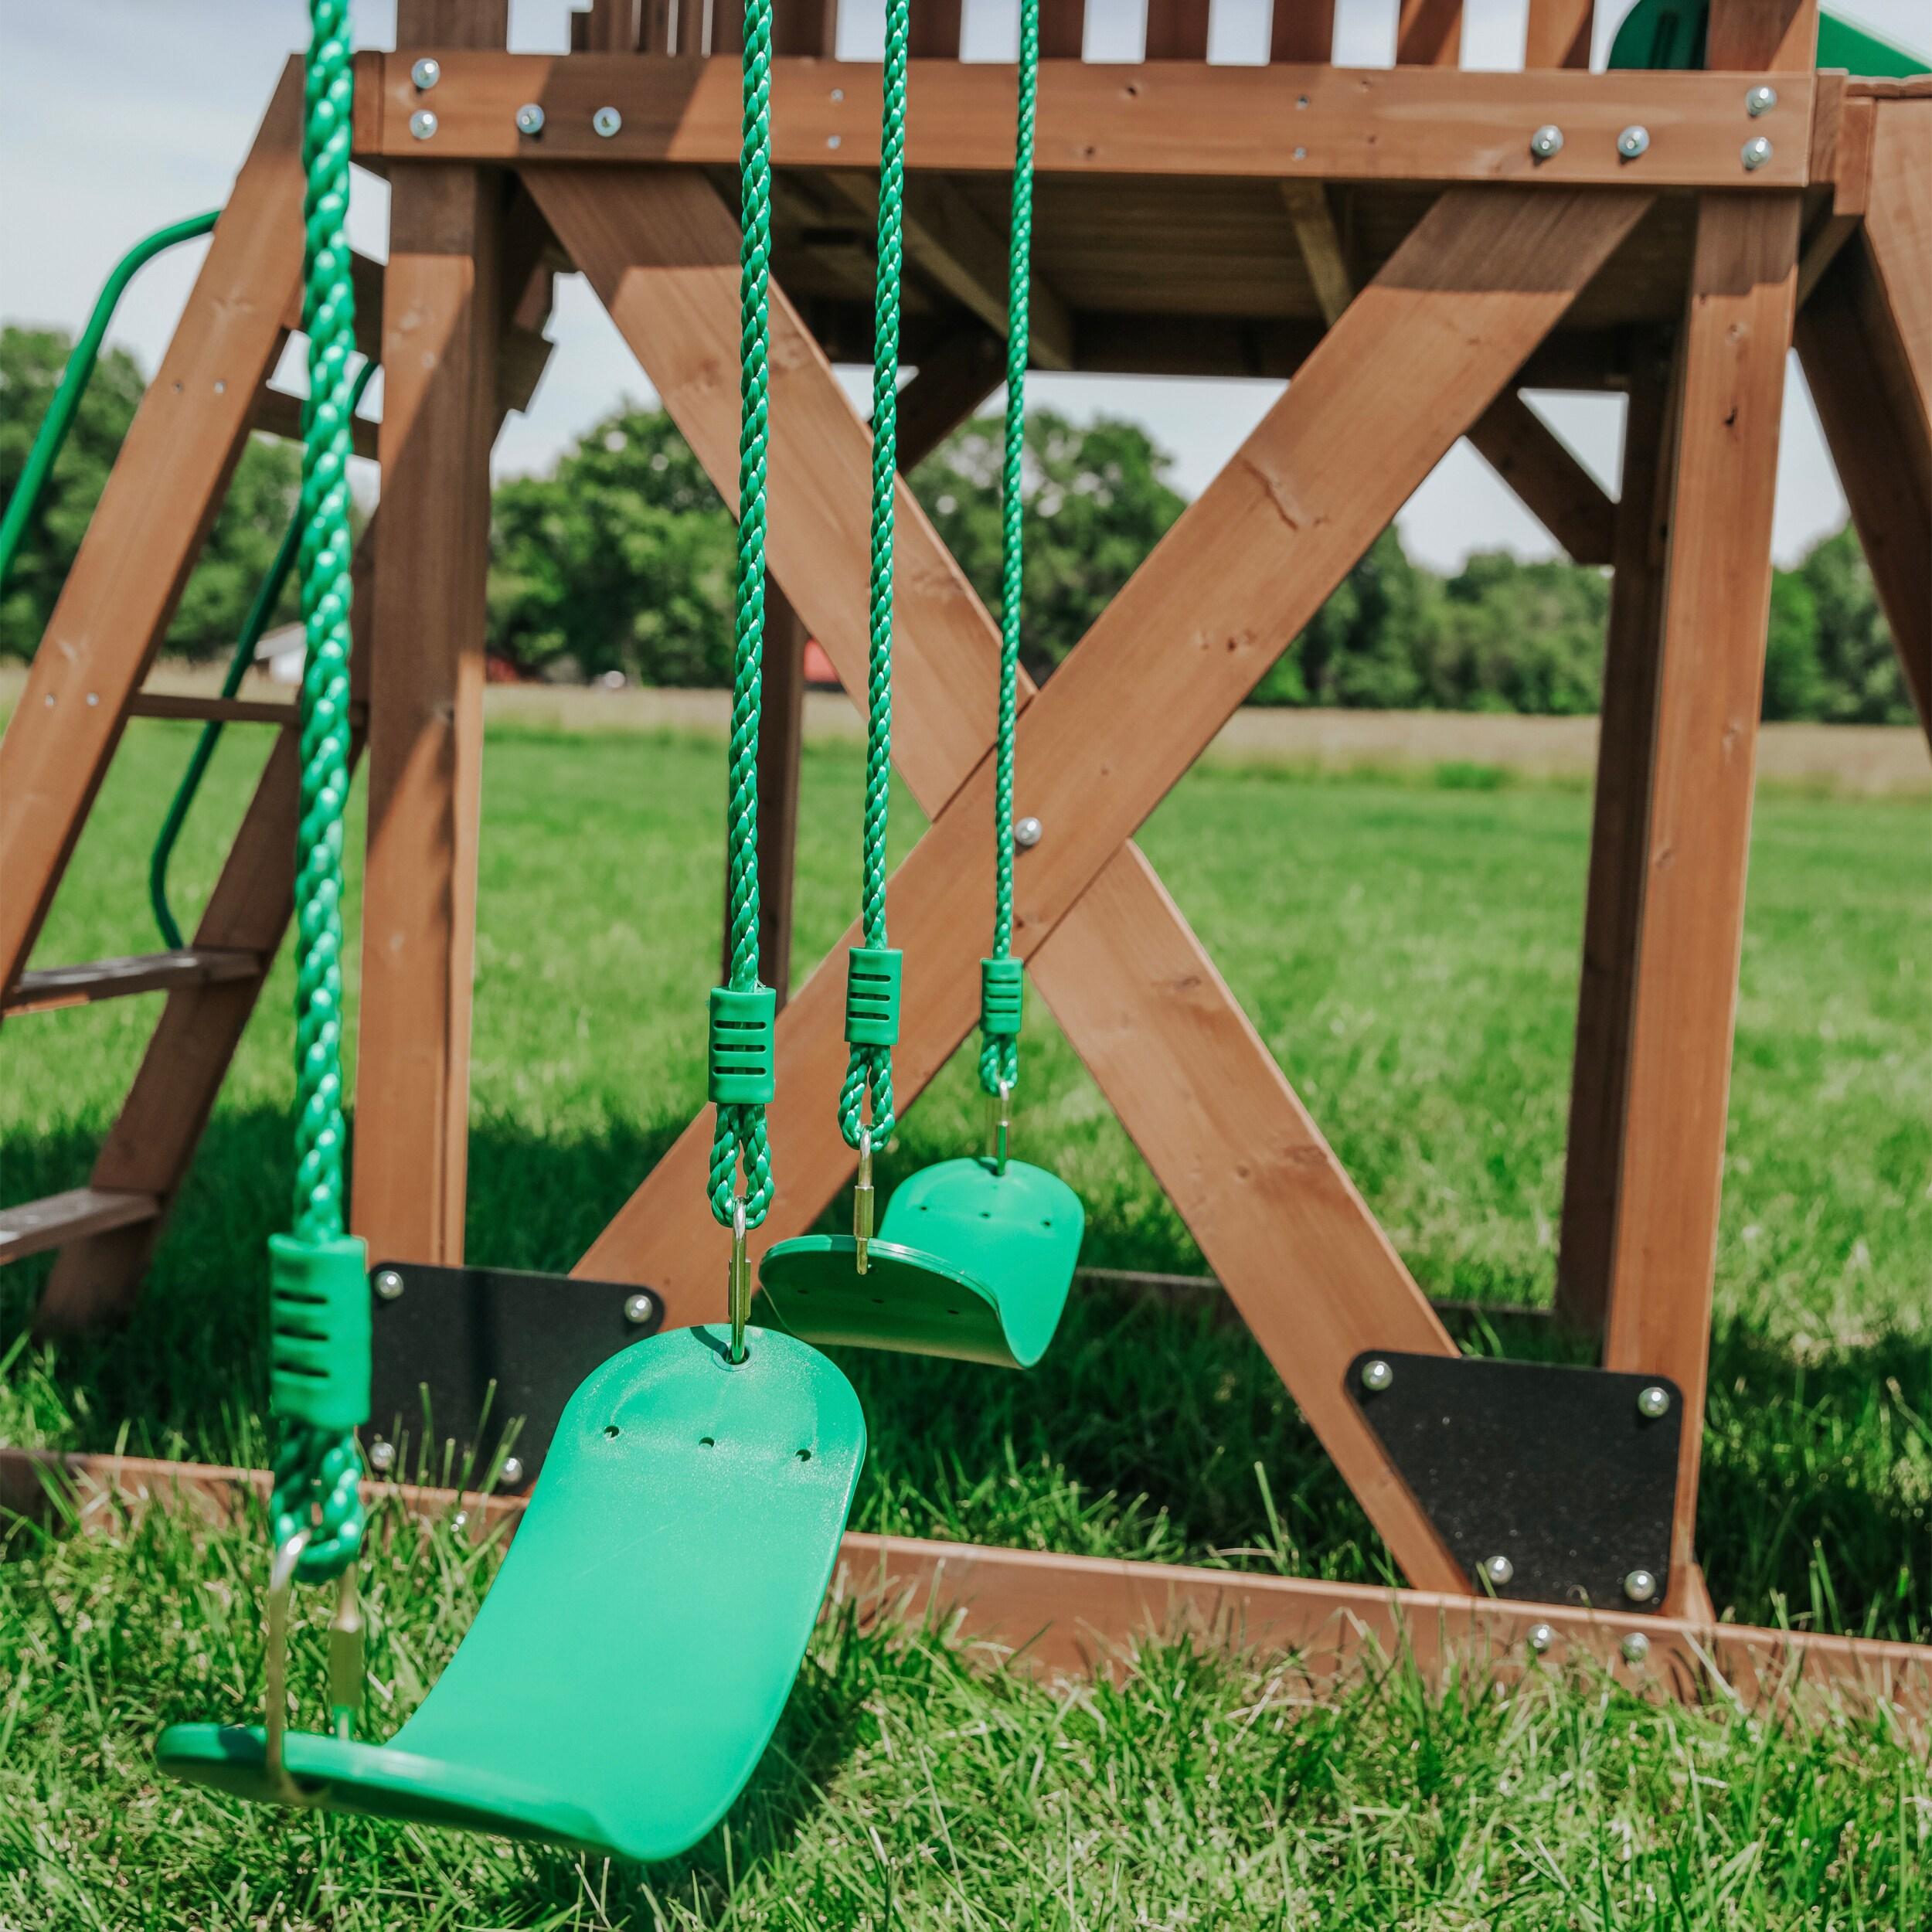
1559, 33
1063, 29
440, 326
1619, 852
181, 705
1302, 31
167, 484
279, 413
49, 989
800, 27
1523, 449
780, 736
1898, 230
617, 26
1778, 35
1083, 1616
1176, 30
947, 387
1173, 119
1320, 240
35, 1226
1429, 33
1716, 598
935, 30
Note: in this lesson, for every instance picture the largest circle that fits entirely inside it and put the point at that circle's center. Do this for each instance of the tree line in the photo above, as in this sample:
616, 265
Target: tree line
622, 559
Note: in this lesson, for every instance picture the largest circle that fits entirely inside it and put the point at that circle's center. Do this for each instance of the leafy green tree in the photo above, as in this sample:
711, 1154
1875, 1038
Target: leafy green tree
1862, 682
623, 560
1096, 498
1794, 680
1520, 637
261, 498
1367, 647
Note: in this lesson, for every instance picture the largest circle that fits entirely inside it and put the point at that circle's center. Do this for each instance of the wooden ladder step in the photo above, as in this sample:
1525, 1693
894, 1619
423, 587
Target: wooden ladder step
171, 704
35, 1225
56, 986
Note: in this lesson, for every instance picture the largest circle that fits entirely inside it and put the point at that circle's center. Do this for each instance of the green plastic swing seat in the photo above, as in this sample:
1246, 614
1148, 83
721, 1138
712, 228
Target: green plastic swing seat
630, 1661
970, 1262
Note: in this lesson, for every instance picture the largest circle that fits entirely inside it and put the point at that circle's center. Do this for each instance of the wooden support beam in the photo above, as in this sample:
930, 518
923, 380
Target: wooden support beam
1176, 30
947, 239
1302, 32
1429, 33
1781, 35
148, 528
35, 1226
781, 737
1559, 34
1570, 503
1715, 602
1083, 1616
279, 413
1619, 851
53, 987
947, 387
1186, 118
1319, 238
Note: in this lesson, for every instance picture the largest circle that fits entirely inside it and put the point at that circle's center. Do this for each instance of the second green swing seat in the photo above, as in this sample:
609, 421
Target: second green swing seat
970, 1261
628, 1668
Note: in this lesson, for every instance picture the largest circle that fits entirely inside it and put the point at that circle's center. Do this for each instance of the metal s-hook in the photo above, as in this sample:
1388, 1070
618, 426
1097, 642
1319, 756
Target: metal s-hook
738, 1282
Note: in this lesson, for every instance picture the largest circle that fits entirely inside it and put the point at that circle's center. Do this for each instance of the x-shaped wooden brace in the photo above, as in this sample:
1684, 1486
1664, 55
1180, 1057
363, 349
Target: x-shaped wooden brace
1416, 359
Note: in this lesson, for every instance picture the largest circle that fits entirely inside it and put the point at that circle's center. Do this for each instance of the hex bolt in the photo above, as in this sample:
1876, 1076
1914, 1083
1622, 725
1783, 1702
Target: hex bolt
1028, 834
423, 124
426, 73
1653, 1402
1761, 100
388, 1284
1641, 1586
1633, 141
511, 1474
1541, 1638
1377, 1376
606, 121
1754, 153
1498, 1570
1547, 141
382, 1456
1635, 1646
638, 1309
529, 118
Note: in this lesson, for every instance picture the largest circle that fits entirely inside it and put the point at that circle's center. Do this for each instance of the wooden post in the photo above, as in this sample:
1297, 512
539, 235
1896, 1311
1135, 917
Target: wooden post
440, 327
1429, 33
1613, 910
1715, 602
1778, 35
1559, 34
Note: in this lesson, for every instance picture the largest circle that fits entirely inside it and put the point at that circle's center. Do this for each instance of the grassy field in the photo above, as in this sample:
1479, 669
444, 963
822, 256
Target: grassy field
1409, 950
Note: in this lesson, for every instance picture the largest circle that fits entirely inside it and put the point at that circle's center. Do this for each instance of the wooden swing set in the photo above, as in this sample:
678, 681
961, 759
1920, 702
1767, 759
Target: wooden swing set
1413, 248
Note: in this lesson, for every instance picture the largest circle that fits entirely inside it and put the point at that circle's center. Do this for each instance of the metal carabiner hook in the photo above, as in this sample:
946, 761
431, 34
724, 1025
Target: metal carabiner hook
738, 1283
862, 1203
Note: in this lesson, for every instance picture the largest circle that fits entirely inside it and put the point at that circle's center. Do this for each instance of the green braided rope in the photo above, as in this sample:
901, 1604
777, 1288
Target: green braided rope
317, 1472
866, 1100
739, 1139
999, 1052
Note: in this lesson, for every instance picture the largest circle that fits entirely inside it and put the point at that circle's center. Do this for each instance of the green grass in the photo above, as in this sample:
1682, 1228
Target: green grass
1409, 951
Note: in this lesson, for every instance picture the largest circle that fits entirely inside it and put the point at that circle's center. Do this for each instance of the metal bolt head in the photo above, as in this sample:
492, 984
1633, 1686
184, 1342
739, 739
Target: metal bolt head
1028, 834
382, 1456
1635, 1646
423, 124
1377, 1376
1541, 1638
1653, 1402
426, 73
1754, 153
638, 1309
511, 1474
1498, 1570
388, 1284
606, 121
1641, 1586
529, 118
1761, 100
1633, 141
1548, 140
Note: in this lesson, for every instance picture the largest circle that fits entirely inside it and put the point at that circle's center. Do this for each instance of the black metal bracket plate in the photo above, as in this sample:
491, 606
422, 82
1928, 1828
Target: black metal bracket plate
1560, 1471
460, 1353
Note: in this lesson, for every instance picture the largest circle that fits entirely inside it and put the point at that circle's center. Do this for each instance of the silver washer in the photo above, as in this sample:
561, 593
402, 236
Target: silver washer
606, 121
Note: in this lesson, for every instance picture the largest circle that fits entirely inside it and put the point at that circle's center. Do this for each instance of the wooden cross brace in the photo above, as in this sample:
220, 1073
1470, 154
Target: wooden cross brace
1419, 356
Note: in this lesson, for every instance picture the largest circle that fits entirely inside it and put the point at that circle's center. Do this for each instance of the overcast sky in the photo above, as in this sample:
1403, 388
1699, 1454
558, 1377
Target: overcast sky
116, 116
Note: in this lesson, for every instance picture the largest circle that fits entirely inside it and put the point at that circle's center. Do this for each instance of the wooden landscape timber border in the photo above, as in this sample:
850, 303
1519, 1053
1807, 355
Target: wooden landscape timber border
1080, 1616
1434, 345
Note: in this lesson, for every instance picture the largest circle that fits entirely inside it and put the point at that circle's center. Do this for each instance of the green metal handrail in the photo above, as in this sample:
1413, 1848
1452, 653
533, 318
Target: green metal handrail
266, 597
73, 380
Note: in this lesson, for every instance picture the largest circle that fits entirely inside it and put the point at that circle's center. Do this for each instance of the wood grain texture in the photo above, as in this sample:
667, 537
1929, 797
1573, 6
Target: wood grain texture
1570, 503
1558, 34
1319, 238
441, 324
1429, 33
1717, 599
1178, 119
1898, 232
1781, 35
947, 388
1302, 32
1176, 30
1613, 912
148, 528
